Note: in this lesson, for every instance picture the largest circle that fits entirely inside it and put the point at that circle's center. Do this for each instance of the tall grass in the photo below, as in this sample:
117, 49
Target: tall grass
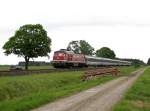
126, 70
26, 92
138, 97
21, 93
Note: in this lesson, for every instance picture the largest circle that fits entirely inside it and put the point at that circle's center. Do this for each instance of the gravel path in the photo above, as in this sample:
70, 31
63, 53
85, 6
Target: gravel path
99, 98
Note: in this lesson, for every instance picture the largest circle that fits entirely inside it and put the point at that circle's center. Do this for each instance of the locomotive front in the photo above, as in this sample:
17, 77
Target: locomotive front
60, 59
66, 59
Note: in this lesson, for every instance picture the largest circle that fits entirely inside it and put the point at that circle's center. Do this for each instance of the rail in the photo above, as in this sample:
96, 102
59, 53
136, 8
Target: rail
40, 71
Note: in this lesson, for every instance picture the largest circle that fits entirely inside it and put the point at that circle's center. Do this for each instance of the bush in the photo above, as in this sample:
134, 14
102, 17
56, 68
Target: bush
137, 65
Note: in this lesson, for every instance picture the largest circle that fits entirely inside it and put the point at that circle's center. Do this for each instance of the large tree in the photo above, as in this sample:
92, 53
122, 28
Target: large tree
148, 62
105, 52
81, 47
74, 46
29, 41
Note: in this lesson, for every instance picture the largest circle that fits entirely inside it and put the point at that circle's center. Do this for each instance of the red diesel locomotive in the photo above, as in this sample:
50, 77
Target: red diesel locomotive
66, 59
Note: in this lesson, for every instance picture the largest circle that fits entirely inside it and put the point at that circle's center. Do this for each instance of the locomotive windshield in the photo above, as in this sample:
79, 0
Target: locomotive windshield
64, 51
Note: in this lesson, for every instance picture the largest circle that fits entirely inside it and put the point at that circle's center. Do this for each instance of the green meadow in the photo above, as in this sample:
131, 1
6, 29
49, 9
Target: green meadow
22, 93
138, 96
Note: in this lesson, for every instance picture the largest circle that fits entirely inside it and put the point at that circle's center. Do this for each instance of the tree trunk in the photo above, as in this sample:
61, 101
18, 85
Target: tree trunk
26, 62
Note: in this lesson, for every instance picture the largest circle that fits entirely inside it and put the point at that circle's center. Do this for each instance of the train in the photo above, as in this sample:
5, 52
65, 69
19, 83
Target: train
68, 59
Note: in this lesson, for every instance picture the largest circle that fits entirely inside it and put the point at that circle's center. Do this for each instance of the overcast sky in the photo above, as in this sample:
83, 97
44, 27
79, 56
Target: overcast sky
122, 25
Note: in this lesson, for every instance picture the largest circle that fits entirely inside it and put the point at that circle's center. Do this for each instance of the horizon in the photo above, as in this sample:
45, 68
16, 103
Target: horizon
123, 27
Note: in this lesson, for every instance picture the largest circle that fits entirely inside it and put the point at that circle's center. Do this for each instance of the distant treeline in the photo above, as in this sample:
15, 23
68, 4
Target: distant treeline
34, 63
134, 61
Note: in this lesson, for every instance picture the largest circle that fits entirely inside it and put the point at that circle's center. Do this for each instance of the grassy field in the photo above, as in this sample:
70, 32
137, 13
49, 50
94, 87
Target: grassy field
4, 67
126, 70
138, 97
27, 92
40, 67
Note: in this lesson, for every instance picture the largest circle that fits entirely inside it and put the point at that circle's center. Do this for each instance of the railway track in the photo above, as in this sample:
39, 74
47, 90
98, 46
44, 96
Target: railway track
40, 71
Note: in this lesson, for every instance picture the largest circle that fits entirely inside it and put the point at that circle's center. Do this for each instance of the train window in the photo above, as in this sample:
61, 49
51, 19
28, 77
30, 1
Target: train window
61, 54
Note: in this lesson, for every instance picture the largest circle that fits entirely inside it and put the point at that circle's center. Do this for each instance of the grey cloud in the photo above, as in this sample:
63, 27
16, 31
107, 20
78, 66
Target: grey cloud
95, 23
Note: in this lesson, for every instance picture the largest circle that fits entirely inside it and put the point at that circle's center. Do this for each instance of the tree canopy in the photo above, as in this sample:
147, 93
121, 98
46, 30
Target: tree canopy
148, 62
29, 41
81, 47
105, 52
74, 46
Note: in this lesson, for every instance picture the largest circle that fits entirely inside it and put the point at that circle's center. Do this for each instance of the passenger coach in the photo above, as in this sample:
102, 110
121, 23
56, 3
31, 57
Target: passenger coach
64, 58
